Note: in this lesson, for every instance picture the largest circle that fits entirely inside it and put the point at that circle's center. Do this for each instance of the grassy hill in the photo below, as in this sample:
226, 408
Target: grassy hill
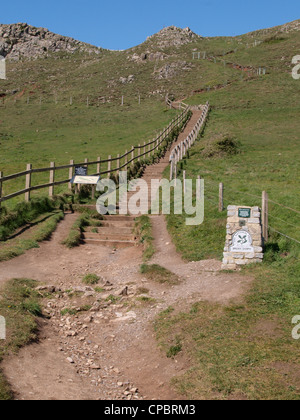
240, 351
246, 351
45, 102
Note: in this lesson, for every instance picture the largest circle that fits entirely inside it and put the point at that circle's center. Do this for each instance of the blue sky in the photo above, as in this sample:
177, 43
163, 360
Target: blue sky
123, 24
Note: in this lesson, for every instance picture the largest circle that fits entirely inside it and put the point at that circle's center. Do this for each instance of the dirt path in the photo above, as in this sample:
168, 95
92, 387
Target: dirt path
108, 349
122, 345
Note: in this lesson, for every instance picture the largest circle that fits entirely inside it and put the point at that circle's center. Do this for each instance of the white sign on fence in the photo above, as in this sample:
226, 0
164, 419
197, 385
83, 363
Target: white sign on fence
87, 180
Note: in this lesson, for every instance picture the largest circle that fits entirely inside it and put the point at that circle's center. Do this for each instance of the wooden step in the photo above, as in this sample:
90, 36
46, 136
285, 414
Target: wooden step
118, 218
111, 229
118, 224
109, 236
110, 243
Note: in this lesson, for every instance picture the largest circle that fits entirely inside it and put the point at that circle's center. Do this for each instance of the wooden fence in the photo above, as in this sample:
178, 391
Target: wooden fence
104, 167
180, 151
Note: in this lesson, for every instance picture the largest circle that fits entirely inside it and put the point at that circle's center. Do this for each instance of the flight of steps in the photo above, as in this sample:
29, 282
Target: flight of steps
116, 230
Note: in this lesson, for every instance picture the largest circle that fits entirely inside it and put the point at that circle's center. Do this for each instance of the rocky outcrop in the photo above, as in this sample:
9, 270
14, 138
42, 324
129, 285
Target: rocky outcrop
24, 41
171, 70
173, 37
150, 56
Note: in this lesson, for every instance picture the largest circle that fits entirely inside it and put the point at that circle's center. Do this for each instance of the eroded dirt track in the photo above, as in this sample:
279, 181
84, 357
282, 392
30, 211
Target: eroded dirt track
111, 348
93, 347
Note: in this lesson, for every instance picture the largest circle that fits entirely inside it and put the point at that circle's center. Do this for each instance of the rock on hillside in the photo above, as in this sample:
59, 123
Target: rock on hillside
173, 37
24, 41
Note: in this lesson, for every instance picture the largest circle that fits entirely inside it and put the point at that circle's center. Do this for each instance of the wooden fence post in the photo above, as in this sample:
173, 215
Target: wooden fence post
99, 165
109, 166
1, 175
87, 166
221, 197
51, 179
172, 169
126, 161
132, 155
265, 215
199, 192
118, 164
139, 159
28, 182
71, 174
184, 182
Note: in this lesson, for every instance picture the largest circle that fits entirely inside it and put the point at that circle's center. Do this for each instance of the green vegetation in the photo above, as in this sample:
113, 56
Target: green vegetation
221, 146
68, 311
251, 144
159, 274
245, 351
242, 351
19, 305
146, 300
91, 279
176, 349
143, 228
99, 290
73, 311
26, 213
64, 133
87, 218
42, 229
142, 291
113, 299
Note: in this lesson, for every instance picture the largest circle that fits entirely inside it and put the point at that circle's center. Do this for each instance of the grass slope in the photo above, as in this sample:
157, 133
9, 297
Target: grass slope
246, 351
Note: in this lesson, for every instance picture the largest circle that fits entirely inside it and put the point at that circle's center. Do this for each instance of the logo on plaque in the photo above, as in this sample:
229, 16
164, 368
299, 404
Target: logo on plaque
242, 242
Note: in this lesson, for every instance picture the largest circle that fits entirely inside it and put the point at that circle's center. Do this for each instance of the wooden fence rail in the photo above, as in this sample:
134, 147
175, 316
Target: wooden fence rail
114, 164
180, 151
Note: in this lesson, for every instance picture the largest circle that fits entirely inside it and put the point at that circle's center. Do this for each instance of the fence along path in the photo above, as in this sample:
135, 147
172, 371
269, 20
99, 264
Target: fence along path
155, 172
181, 148
116, 230
112, 164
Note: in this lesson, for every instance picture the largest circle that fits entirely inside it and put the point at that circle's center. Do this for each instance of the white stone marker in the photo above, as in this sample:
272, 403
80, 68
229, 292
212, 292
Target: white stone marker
244, 242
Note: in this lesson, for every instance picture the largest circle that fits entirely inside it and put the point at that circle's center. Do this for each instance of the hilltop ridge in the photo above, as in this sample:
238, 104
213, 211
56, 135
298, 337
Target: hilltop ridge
21, 40
173, 36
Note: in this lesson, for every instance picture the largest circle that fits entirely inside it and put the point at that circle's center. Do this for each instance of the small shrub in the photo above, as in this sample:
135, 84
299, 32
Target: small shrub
113, 299
68, 311
175, 350
220, 146
91, 279
160, 274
